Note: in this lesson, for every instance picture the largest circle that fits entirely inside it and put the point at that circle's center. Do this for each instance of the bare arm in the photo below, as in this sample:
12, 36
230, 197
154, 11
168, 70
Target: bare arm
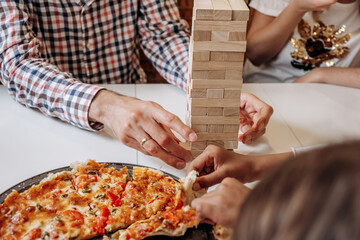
268, 35
349, 77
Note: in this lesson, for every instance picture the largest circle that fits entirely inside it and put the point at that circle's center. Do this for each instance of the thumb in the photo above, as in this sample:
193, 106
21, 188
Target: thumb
209, 180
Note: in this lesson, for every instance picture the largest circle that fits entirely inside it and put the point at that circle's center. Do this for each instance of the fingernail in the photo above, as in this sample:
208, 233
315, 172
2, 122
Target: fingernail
192, 137
180, 165
245, 128
196, 186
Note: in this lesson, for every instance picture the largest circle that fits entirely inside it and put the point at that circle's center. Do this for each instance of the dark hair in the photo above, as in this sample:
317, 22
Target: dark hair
315, 196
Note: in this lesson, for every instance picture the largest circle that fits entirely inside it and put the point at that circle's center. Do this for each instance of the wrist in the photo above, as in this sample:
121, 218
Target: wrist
100, 106
296, 9
264, 163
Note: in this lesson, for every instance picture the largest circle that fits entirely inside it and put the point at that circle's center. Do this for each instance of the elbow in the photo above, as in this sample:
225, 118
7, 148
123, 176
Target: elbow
255, 60
255, 57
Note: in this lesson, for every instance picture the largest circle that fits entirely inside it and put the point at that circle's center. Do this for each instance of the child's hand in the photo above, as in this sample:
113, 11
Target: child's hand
254, 117
216, 163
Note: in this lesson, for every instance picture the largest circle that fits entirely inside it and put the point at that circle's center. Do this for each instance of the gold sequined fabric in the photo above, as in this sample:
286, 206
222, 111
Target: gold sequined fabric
318, 44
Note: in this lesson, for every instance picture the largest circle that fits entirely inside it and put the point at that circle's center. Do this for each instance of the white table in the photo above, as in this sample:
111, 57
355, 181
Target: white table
305, 114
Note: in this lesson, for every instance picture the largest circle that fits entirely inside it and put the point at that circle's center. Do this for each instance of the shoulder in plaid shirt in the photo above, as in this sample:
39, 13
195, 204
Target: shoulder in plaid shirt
51, 52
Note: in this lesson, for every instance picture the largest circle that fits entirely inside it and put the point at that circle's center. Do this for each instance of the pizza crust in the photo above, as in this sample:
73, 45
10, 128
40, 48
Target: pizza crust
188, 183
222, 233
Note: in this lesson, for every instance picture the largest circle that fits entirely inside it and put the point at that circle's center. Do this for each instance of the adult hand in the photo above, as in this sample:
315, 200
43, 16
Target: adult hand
222, 205
254, 116
143, 125
216, 163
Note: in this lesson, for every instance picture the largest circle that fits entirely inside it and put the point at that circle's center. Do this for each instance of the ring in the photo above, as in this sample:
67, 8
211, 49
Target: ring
144, 140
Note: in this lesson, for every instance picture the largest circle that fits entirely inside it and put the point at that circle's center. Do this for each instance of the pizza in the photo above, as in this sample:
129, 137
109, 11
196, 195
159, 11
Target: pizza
93, 199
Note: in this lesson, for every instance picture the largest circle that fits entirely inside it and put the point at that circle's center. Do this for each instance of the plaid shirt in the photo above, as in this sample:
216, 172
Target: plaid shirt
51, 52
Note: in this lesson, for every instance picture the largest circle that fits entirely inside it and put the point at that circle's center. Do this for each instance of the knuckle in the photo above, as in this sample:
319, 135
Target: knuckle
126, 126
164, 140
271, 110
135, 115
153, 149
227, 181
169, 118
211, 148
151, 104
123, 139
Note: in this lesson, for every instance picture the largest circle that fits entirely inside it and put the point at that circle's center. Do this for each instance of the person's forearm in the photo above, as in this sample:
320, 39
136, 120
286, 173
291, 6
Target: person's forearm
349, 77
266, 42
164, 38
264, 163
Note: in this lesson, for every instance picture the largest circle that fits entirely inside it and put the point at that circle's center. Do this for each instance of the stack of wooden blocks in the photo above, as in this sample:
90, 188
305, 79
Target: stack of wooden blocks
217, 47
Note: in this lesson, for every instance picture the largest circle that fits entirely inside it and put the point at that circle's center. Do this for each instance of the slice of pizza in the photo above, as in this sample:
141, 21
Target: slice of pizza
69, 205
94, 199
167, 205
170, 223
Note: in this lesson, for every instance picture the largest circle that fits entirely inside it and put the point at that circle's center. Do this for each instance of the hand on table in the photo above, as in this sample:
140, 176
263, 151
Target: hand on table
254, 116
143, 125
216, 163
221, 205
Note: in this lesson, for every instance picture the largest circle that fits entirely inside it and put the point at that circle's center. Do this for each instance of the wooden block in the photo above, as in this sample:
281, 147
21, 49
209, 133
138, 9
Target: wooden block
219, 36
231, 128
203, 74
219, 143
201, 35
215, 93
203, 9
232, 93
217, 136
237, 36
227, 56
213, 102
198, 92
222, 10
228, 26
231, 144
198, 145
232, 111
215, 65
185, 145
198, 111
215, 111
226, 46
240, 10
215, 83
215, 128
233, 74
199, 128
201, 56
201, 120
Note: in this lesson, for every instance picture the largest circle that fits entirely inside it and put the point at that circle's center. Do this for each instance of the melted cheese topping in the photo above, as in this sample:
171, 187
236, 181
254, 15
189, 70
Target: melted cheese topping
93, 199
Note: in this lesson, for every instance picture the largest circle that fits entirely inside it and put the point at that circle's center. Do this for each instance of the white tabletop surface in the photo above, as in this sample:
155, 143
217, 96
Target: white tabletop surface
304, 115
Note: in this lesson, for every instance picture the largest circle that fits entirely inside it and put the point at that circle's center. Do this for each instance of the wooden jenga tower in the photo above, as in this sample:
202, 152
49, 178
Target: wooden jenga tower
217, 47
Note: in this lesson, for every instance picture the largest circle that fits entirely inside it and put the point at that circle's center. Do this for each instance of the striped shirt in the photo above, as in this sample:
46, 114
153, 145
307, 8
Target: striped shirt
52, 52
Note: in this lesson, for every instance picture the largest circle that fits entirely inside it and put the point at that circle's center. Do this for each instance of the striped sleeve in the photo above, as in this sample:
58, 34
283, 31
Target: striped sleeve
164, 37
31, 80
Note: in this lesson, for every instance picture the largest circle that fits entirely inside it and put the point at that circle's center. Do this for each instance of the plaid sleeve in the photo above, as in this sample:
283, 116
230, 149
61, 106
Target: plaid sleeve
164, 37
30, 79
